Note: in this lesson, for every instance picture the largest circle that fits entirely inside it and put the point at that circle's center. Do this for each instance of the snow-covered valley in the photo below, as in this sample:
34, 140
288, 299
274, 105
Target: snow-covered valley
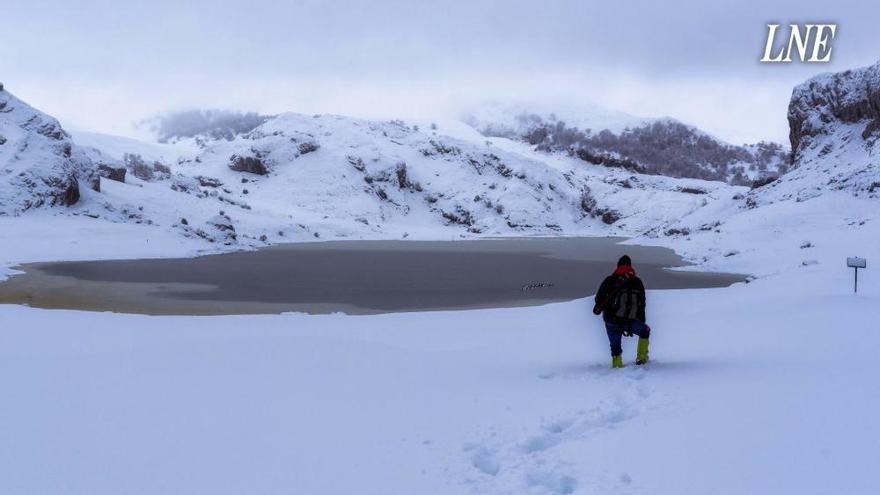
761, 387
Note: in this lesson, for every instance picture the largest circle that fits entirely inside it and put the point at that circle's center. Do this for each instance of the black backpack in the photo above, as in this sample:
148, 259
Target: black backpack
622, 301
624, 304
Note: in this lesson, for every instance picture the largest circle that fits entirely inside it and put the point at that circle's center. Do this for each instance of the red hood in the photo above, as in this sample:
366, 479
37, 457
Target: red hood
625, 270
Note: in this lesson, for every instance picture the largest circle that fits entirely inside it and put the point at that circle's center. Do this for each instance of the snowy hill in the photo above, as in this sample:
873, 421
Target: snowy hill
824, 208
39, 164
390, 178
615, 139
835, 123
299, 177
116, 147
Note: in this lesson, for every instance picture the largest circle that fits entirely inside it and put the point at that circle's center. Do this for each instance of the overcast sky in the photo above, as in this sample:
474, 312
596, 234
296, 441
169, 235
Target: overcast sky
100, 65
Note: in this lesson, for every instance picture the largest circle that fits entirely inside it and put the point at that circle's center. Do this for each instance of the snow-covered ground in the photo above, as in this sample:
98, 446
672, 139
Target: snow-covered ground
765, 387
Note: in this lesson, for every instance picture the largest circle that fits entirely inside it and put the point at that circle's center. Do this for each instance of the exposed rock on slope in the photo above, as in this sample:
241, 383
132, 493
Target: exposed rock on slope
384, 176
828, 198
819, 105
39, 165
834, 124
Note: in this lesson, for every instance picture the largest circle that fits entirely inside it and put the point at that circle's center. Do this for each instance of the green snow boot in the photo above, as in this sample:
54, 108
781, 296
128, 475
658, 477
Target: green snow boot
617, 361
642, 351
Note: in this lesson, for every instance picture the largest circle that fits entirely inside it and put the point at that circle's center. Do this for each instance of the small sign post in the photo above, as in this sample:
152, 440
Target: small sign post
855, 262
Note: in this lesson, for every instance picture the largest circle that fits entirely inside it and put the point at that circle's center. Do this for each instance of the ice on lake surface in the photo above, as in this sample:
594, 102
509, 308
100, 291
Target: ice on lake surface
352, 276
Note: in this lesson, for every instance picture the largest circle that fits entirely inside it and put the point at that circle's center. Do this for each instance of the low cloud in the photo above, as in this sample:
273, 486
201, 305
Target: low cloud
99, 66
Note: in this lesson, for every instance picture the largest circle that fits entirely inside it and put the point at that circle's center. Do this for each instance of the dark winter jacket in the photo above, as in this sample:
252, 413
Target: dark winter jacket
621, 297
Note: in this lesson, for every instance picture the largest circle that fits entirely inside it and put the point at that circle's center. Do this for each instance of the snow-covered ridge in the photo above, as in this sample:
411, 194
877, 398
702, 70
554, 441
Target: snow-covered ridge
661, 146
834, 124
827, 201
826, 101
298, 177
339, 176
39, 164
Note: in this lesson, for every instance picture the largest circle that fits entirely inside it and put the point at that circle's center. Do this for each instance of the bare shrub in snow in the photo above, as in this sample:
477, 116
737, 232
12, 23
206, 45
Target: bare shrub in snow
460, 216
138, 167
587, 202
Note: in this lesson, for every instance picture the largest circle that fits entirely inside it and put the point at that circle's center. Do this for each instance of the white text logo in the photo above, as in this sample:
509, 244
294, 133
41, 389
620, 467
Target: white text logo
812, 43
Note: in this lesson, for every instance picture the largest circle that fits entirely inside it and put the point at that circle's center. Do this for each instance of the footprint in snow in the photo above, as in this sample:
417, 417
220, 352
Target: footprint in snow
483, 459
551, 481
536, 461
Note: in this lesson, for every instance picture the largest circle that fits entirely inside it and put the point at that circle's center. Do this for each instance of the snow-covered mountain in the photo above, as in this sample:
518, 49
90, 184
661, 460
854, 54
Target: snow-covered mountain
828, 199
834, 124
39, 164
297, 177
116, 147
657, 146
327, 176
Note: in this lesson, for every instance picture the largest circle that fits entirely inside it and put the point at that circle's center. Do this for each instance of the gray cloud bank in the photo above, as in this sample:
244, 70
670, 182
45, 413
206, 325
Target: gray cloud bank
100, 65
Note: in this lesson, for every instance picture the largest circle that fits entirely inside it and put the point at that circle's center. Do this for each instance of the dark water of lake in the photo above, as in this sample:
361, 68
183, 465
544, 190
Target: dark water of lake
359, 277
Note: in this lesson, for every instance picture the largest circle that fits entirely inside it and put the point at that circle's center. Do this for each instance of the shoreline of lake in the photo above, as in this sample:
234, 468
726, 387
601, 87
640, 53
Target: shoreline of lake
354, 277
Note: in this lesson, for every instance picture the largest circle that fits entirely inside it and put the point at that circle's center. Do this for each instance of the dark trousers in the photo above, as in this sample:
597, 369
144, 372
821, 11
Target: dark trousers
616, 331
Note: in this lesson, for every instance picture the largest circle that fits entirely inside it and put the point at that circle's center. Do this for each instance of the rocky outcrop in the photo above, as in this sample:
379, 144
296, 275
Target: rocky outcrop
41, 166
834, 121
112, 173
68, 191
851, 97
250, 164
219, 228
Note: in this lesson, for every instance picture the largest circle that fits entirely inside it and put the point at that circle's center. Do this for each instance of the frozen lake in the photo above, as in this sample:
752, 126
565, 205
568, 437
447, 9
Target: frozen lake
360, 277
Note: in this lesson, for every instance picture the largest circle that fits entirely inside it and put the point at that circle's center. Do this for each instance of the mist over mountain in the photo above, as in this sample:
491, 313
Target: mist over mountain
207, 124
594, 134
654, 146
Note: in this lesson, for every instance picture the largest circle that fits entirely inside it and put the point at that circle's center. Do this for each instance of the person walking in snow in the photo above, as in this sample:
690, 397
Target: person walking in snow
621, 302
